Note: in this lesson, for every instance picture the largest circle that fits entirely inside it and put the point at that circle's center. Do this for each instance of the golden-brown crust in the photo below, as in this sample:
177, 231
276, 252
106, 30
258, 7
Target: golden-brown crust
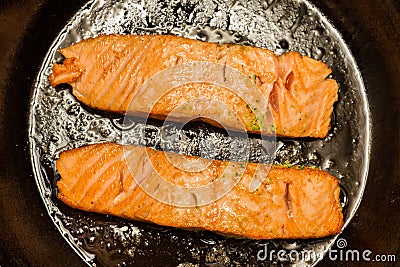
107, 71
291, 202
67, 72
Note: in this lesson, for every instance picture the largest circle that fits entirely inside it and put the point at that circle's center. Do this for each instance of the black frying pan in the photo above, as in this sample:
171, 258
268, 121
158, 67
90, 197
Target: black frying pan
28, 236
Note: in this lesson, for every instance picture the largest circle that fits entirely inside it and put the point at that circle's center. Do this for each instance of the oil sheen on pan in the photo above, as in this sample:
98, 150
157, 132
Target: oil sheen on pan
58, 122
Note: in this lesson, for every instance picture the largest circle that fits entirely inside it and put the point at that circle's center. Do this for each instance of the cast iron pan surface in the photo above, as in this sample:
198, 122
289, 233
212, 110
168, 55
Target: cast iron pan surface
29, 237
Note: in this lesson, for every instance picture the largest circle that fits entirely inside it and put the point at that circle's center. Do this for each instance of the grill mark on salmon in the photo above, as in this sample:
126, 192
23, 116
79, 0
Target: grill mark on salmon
129, 86
105, 173
103, 80
300, 95
121, 73
124, 86
98, 163
291, 203
89, 161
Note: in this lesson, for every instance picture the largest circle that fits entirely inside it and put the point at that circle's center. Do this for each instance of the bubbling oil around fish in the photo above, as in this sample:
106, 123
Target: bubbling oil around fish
59, 122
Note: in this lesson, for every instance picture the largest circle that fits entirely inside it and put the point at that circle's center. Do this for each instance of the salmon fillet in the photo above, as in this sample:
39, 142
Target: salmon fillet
105, 73
290, 203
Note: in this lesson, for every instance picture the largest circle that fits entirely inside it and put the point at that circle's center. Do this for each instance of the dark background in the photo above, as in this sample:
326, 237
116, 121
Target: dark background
27, 27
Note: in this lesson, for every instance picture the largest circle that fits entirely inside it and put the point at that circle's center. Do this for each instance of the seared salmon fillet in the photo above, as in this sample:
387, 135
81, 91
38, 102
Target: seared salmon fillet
115, 179
107, 72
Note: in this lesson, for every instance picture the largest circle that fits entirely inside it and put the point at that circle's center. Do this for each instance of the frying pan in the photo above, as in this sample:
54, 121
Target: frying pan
28, 236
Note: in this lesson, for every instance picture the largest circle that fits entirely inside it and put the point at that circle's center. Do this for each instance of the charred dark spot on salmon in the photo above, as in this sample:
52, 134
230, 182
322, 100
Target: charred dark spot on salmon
178, 60
288, 201
196, 201
224, 72
274, 98
289, 80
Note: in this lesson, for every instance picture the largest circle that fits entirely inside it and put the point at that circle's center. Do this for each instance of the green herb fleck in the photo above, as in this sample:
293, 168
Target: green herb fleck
288, 164
253, 78
255, 127
240, 219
